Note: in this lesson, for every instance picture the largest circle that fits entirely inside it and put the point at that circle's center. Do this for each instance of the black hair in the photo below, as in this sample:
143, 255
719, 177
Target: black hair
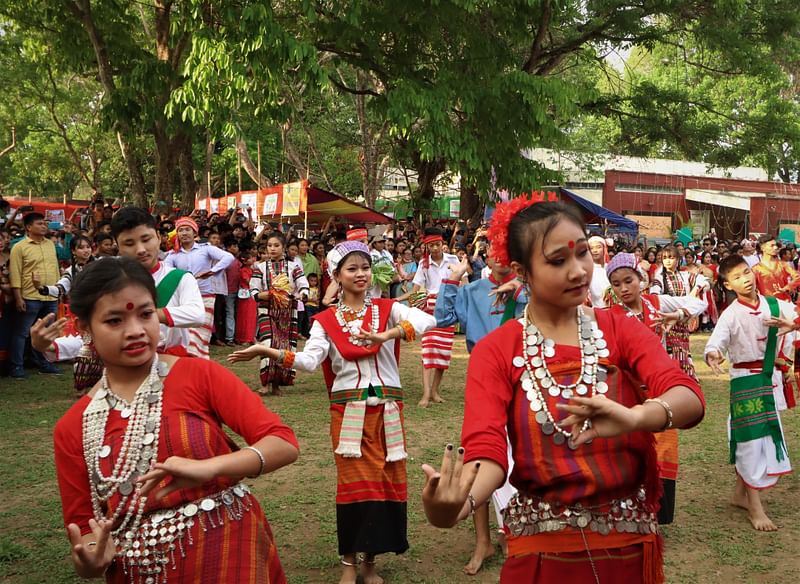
101, 224
229, 241
279, 236
766, 238
31, 217
363, 254
101, 237
670, 250
533, 224
105, 277
730, 262
294, 241
130, 218
245, 255
73, 245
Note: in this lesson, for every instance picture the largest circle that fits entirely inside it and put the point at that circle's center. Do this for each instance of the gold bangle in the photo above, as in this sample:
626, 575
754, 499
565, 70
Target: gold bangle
667, 408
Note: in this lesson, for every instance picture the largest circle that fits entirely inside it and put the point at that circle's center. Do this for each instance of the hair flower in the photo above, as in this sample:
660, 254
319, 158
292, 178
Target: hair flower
504, 212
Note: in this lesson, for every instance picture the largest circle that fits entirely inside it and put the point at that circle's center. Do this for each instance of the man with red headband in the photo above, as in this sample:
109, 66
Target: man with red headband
437, 344
203, 261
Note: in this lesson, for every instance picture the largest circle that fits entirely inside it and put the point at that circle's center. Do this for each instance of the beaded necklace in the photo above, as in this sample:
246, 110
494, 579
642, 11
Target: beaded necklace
282, 269
350, 320
537, 379
137, 453
647, 306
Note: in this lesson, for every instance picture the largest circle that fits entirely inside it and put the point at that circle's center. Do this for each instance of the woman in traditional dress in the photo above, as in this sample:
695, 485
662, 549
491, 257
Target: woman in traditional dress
351, 342
658, 313
671, 281
695, 265
559, 379
149, 481
278, 284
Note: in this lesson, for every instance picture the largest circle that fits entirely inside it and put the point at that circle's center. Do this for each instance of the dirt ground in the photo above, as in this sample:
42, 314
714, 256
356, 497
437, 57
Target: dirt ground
710, 541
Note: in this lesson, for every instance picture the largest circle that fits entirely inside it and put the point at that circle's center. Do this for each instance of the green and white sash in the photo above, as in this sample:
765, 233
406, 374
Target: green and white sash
753, 412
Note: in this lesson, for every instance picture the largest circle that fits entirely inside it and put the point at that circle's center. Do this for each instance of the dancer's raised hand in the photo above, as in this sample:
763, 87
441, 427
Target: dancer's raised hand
446, 491
92, 554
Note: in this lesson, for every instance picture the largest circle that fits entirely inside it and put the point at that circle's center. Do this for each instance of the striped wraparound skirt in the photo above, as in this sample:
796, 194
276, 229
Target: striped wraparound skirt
612, 565
200, 336
437, 347
371, 493
277, 328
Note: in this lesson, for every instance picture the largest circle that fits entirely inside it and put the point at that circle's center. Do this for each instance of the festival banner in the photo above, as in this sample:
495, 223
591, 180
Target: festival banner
292, 196
270, 204
213, 205
249, 201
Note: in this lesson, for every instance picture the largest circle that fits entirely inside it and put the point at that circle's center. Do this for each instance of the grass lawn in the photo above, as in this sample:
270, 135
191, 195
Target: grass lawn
709, 542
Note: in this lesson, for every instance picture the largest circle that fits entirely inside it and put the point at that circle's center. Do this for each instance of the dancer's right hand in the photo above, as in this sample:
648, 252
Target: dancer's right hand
446, 492
247, 354
714, 359
93, 553
45, 331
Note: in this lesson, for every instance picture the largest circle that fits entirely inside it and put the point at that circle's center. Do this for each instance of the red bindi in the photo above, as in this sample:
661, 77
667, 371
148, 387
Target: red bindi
571, 244
129, 306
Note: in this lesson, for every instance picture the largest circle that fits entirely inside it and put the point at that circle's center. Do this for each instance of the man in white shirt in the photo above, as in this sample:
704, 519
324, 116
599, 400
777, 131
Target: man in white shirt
203, 261
137, 238
380, 255
437, 343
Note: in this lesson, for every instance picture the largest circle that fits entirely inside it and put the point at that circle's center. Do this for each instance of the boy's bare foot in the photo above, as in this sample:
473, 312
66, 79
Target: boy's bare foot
740, 500
760, 521
437, 399
501, 539
482, 552
276, 390
423, 403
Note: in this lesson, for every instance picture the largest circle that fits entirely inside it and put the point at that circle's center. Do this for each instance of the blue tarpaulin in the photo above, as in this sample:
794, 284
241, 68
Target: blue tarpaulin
593, 213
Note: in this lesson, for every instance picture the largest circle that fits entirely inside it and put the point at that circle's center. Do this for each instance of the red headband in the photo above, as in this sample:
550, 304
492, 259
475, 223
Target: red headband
503, 213
431, 239
186, 222
356, 234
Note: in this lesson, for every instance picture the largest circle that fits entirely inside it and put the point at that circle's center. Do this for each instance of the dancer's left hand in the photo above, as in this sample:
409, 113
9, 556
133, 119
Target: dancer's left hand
784, 325
668, 319
372, 338
608, 417
185, 472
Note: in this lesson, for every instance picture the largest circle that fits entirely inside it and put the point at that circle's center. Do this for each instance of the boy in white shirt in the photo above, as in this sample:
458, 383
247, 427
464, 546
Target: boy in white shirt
748, 332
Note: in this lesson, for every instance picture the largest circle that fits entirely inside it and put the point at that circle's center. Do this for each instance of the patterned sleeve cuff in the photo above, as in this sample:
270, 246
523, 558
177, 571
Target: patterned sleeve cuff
451, 282
409, 334
288, 360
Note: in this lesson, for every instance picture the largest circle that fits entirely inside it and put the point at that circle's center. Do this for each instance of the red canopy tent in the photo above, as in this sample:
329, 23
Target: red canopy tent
44, 206
295, 202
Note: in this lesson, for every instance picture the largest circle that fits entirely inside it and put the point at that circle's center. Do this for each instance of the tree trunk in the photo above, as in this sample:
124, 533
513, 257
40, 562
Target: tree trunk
471, 204
81, 9
188, 180
249, 166
167, 151
427, 173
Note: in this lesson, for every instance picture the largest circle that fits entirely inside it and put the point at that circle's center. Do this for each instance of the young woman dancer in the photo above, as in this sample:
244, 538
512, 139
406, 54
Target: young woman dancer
278, 284
669, 280
149, 481
658, 313
350, 341
581, 437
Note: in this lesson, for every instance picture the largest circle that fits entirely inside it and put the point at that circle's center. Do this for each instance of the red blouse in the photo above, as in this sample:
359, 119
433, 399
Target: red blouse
605, 469
199, 397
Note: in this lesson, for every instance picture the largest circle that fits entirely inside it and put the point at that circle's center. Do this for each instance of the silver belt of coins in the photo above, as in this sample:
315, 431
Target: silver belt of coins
530, 515
150, 550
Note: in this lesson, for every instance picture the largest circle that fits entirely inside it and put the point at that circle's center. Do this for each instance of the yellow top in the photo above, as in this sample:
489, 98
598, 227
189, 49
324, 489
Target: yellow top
29, 256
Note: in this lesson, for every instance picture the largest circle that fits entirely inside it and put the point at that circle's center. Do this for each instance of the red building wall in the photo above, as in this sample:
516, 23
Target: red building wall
620, 194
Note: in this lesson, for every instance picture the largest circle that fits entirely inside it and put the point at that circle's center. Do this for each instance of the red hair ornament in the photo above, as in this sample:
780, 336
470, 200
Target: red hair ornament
504, 212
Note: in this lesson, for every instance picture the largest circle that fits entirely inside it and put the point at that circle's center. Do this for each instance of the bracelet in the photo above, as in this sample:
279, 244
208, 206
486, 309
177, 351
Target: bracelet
91, 543
667, 408
407, 330
260, 457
